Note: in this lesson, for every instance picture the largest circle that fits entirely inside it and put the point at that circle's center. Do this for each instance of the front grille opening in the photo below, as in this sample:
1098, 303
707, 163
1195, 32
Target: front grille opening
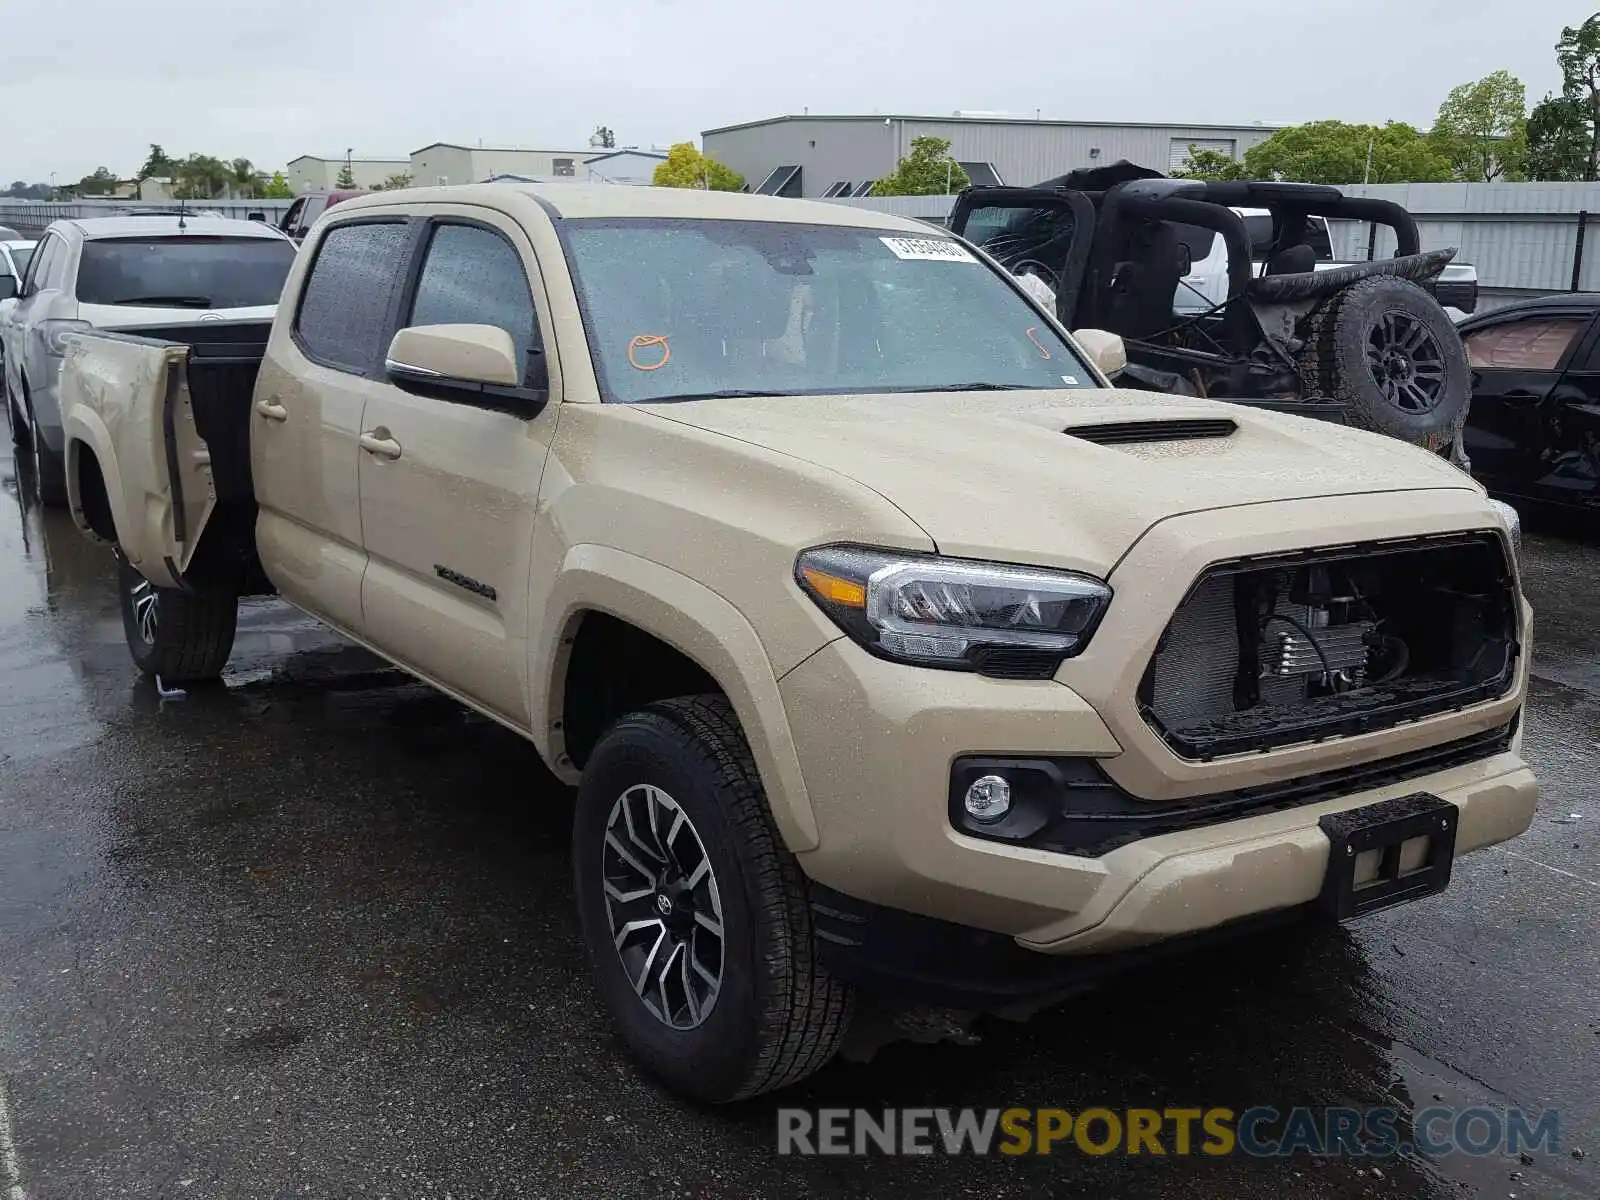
1123, 433
1272, 652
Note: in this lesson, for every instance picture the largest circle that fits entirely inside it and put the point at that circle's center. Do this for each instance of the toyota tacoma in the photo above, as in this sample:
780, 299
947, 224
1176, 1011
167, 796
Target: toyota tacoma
897, 658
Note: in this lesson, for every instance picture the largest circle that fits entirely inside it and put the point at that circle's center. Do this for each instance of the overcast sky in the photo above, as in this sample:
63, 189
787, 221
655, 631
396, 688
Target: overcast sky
97, 81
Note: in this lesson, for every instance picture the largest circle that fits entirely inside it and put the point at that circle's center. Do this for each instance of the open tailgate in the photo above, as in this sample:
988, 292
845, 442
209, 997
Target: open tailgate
127, 399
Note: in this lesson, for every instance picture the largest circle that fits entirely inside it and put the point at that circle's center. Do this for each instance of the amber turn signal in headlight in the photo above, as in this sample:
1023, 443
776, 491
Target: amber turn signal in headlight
992, 618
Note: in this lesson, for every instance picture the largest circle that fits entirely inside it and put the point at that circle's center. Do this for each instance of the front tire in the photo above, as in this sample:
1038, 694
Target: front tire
180, 637
675, 855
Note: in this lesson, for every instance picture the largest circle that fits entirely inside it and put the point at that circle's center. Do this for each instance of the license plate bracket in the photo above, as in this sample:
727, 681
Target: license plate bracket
1385, 827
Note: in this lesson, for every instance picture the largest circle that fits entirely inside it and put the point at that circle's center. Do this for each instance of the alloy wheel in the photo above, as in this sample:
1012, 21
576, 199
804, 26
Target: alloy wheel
146, 609
664, 906
1407, 362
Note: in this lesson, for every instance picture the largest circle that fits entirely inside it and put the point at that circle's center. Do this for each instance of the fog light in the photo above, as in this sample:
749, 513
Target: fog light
988, 798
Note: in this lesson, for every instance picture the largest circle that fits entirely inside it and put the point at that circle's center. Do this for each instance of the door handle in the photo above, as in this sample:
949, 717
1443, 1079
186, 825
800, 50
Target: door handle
272, 410
380, 444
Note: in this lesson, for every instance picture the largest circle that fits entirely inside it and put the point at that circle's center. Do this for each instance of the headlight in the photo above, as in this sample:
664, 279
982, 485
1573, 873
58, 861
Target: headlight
1015, 622
1513, 524
56, 334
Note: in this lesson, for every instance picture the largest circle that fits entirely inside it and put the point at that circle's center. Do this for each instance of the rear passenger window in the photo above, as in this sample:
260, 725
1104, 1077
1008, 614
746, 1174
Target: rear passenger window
1534, 345
343, 320
473, 276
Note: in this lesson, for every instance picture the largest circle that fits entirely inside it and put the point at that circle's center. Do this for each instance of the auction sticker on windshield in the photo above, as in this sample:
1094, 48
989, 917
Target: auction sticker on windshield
928, 249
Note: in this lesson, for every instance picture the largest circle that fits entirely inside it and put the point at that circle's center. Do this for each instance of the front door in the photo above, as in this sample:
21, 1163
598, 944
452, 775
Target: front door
321, 370
1571, 428
1516, 362
449, 488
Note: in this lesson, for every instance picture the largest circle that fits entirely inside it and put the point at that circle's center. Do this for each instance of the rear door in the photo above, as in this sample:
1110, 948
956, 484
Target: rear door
450, 485
323, 365
1044, 232
1516, 362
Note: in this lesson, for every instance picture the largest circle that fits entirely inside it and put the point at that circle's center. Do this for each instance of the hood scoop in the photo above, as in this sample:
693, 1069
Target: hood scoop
1126, 433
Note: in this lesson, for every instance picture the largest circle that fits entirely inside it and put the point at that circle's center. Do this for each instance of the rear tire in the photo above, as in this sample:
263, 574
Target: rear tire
182, 637
774, 1014
49, 466
19, 425
1394, 358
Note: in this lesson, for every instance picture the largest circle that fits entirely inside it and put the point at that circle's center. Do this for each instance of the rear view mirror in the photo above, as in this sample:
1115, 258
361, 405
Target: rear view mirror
1105, 350
434, 357
8, 287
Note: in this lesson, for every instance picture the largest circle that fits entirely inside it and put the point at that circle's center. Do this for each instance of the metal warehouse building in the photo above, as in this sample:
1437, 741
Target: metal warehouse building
835, 156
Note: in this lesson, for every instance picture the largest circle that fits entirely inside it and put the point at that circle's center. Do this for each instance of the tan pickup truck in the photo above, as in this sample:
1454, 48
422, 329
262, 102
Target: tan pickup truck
894, 652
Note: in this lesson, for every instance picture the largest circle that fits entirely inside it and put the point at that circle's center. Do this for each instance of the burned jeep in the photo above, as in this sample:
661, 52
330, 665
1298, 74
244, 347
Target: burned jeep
1276, 324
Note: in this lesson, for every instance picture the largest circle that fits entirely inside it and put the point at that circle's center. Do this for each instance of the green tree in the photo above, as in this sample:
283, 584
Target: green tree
346, 177
157, 165
101, 183
1558, 140
603, 137
928, 170
243, 176
687, 167
200, 177
1212, 164
1578, 54
1482, 128
277, 188
1334, 152
400, 179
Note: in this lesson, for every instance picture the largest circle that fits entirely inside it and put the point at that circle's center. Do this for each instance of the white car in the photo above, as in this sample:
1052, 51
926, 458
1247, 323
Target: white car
1205, 286
14, 255
128, 274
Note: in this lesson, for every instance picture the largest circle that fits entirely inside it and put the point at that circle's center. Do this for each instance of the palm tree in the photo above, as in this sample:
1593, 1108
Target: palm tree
243, 177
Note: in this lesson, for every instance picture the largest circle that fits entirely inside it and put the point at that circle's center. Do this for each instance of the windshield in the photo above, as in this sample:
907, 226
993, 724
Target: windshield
678, 309
184, 272
20, 256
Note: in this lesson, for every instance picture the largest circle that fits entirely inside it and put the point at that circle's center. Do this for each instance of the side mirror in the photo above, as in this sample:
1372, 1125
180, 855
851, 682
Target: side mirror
8, 287
256, 215
474, 364
1105, 350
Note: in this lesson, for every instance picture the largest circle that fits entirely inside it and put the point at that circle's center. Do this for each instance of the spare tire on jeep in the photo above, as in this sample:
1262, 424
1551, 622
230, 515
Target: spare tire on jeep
1387, 350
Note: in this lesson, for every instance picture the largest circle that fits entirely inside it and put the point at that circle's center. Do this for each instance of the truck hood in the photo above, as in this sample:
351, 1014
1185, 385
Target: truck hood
1012, 475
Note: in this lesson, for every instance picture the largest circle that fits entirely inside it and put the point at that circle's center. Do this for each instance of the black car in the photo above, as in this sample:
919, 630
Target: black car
1533, 430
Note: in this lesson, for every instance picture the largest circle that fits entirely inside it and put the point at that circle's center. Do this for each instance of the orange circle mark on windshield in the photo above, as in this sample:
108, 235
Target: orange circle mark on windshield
647, 341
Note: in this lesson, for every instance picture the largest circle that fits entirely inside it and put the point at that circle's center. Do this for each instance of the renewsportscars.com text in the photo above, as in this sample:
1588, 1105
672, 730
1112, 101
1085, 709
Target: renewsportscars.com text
1261, 1132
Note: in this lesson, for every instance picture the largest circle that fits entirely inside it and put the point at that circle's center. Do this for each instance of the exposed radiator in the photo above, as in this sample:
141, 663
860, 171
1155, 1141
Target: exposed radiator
1196, 672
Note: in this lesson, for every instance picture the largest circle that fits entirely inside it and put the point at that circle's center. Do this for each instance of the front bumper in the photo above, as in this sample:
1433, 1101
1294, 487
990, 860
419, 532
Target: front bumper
878, 741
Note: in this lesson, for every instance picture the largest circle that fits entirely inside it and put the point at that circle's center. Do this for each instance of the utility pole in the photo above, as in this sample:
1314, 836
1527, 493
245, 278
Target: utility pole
1367, 178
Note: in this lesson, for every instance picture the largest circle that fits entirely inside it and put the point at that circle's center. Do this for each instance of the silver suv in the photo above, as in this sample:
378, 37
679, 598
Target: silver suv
129, 274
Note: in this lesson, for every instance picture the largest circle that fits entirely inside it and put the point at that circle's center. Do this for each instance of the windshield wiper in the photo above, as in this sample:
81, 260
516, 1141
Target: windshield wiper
724, 394
971, 387
168, 301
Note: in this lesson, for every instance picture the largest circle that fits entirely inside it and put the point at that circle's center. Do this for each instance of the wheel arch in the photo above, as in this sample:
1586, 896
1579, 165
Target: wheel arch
95, 494
691, 621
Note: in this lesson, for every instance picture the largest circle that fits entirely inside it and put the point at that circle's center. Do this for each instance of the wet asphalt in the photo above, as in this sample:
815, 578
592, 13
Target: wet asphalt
311, 933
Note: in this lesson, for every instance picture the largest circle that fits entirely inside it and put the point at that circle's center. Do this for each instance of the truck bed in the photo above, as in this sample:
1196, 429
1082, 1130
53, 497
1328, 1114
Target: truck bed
224, 358
206, 490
